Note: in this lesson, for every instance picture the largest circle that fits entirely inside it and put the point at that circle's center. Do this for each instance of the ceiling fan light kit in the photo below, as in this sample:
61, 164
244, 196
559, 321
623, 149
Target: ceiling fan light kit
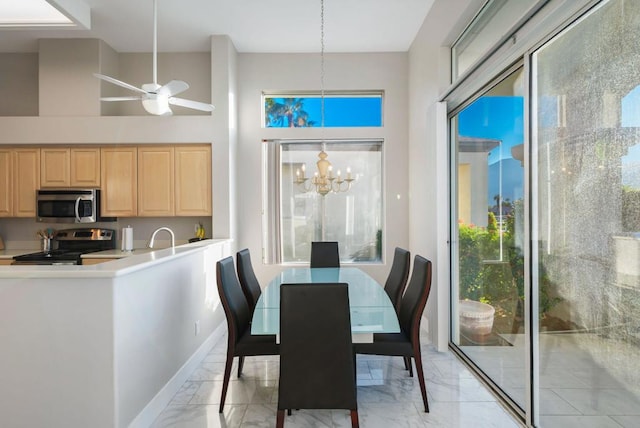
156, 98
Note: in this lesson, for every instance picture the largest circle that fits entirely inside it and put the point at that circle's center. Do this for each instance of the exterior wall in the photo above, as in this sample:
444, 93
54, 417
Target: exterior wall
281, 72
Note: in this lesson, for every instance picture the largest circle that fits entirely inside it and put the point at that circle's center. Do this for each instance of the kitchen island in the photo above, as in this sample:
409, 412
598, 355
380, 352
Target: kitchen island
105, 345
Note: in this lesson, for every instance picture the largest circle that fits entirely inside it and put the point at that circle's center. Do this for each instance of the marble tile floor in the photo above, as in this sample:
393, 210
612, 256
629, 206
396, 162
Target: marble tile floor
586, 380
387, 396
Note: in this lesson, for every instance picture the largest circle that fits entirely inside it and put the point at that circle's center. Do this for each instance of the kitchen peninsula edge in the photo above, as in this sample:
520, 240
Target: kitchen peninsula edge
106, 345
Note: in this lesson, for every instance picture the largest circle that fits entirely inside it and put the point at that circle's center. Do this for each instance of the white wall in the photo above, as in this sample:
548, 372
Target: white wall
281, 72
428, 78
19, 94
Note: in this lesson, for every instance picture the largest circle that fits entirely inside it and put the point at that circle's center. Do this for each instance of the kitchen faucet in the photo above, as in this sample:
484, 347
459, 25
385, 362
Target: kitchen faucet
153, 236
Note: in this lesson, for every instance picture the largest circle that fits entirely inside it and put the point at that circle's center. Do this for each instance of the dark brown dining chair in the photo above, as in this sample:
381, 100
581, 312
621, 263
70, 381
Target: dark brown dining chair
325, 254
407, 342
248, 281
317, 363
398, 275
240, 342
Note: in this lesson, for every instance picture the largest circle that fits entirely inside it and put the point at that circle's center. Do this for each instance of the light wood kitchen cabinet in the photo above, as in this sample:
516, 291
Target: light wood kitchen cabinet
70, 167
54, 167
85, 167
193, 180
6, 183
26, 180
156, 181
119, 181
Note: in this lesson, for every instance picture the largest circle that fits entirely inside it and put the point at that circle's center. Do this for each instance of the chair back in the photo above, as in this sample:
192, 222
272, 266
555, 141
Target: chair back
324, 254
248, 281
398, 275
415, 298
317, 368
233, 301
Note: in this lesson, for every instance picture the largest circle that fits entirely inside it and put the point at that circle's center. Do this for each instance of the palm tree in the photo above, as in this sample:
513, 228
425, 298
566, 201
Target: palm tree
290, 109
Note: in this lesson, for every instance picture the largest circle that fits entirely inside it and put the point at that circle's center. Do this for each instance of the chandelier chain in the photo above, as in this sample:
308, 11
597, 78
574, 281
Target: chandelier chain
322, 63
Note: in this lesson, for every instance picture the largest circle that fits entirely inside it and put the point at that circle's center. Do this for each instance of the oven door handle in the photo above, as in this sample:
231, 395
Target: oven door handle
77, 209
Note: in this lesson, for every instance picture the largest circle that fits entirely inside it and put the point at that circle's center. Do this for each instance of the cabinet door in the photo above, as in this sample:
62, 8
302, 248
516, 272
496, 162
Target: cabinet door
118, 177
156, 181
26, 179
193, 180
85, 167
54, 167
6, 183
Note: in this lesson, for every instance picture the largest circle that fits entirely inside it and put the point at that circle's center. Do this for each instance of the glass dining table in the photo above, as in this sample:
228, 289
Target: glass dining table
371, 309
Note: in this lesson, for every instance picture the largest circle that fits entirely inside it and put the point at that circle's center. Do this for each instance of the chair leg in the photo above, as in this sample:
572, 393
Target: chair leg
355, 423
410, 368
407, 363
227, 375
280, 419
417, 356
240, 365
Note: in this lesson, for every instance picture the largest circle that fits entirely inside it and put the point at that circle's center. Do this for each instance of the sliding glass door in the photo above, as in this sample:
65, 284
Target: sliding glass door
545, 261
488, 276
586, 219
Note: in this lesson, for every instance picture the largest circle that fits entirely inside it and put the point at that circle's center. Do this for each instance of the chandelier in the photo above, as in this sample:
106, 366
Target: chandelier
323, 180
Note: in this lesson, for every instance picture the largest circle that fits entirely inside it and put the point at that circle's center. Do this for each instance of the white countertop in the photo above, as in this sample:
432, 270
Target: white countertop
118, 254
126, 264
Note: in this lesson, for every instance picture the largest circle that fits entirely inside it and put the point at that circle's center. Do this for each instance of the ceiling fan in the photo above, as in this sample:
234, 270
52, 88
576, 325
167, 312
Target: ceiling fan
156, 98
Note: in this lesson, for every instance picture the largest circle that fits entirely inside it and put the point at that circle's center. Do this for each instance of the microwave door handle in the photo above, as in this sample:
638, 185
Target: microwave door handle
77, 209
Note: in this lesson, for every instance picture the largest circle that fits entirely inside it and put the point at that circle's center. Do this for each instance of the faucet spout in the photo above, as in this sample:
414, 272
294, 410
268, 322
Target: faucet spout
155, 232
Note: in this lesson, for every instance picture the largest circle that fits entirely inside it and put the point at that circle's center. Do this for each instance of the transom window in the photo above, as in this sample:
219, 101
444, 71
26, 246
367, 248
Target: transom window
304, 110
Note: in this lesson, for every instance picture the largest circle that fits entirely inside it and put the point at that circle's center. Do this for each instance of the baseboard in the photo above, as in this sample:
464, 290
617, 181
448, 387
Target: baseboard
158, 403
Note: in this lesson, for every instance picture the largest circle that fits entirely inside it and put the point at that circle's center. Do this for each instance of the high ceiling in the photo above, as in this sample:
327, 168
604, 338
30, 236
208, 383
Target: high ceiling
252, 25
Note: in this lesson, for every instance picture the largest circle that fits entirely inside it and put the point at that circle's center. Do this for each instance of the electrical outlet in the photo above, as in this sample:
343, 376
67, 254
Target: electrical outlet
197, 328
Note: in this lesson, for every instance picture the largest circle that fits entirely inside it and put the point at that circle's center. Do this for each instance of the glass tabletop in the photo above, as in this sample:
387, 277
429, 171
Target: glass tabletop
371, 309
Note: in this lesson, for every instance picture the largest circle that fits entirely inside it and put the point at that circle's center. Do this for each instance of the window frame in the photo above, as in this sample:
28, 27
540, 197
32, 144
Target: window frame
327, 95
272, 231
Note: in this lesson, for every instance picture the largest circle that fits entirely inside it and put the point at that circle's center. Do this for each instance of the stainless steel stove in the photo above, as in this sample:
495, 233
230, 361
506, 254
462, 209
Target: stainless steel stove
72, 243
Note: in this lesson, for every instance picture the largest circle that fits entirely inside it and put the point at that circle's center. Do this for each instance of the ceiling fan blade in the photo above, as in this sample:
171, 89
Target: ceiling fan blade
131, 98
118, 82
173, 88
197, 105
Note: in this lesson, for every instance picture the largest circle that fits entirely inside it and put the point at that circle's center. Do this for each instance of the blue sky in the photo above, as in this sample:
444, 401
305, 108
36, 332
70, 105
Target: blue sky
344, 111
498, 118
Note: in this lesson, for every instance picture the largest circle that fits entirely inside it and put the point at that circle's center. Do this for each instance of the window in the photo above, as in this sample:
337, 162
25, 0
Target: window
487, 28
340, 110
296, 217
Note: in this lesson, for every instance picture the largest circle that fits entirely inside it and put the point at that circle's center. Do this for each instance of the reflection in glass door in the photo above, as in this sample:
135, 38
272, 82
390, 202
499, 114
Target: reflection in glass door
488, 242
586, 219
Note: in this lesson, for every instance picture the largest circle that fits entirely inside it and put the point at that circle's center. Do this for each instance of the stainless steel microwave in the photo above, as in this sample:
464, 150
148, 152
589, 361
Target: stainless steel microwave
69, 206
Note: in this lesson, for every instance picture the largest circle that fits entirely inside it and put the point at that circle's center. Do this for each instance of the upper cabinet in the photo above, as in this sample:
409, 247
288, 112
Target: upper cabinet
26, 180
85, 167
6, 183
54, 167
70, 167
119, 178
156, 181
19, 180
193, 180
